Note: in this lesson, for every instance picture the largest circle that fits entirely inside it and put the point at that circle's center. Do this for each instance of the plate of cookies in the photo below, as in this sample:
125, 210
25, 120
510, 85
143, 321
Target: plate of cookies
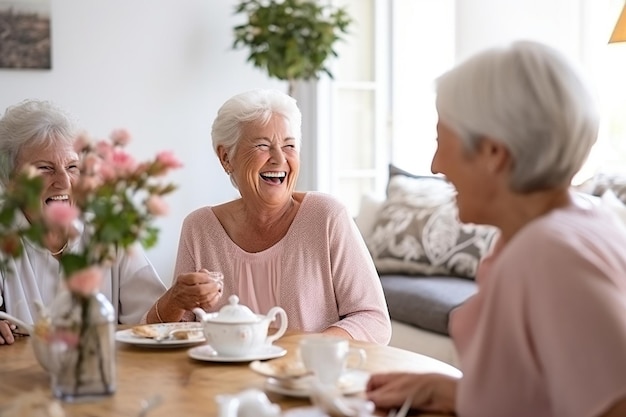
162, 335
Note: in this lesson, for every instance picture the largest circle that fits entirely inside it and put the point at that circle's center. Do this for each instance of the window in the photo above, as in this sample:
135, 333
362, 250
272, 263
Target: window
380, 106
381, 100
605, 65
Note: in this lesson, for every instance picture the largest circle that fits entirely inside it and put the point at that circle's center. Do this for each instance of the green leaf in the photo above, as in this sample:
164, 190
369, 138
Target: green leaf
290, 39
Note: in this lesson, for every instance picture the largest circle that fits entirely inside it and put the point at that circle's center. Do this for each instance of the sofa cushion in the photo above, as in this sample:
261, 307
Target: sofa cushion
600, 183
417, 231
425, 302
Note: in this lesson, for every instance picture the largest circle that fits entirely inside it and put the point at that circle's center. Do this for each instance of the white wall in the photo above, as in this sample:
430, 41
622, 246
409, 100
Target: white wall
160, 68
484, 23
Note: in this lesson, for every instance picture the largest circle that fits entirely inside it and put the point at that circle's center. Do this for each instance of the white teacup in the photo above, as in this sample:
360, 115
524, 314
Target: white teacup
327, 356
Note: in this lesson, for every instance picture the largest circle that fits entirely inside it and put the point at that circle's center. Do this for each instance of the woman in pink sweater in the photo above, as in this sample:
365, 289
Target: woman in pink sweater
277, 247
545, 335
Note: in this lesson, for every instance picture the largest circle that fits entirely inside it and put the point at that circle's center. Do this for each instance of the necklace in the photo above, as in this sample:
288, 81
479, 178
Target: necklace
60, 251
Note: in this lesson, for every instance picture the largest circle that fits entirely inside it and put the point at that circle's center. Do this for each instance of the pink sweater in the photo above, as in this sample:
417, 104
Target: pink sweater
321, 272
545, 335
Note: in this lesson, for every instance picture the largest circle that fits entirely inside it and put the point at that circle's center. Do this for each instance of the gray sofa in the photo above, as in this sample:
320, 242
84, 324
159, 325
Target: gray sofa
425, 302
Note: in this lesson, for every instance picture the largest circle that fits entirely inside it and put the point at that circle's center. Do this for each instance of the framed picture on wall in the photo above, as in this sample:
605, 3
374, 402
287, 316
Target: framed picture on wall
25, 34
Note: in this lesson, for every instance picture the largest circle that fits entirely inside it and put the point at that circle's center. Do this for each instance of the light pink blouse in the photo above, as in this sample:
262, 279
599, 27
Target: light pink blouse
546, 333
321, 272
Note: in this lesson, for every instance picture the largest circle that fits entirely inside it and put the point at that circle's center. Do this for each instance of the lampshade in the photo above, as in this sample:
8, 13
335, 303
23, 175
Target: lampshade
619, 33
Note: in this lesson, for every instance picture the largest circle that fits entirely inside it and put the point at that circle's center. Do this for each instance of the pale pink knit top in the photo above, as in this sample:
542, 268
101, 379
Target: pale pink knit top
321, 272
545, 336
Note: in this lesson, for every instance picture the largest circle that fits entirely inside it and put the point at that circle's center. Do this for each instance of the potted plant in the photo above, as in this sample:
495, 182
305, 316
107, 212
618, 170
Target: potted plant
290, 39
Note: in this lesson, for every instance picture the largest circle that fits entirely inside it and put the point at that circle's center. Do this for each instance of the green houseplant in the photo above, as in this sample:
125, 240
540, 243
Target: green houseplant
290, 39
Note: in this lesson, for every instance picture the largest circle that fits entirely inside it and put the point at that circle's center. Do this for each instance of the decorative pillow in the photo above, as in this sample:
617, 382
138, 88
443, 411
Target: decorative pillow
368, 212
417, 231
600, 183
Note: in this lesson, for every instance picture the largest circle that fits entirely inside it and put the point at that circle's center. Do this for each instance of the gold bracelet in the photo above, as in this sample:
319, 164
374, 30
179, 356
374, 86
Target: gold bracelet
156, 310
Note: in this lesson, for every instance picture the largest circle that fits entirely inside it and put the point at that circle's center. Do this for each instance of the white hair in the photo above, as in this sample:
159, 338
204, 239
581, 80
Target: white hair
31, 122
530, 98
257, 105
253, 106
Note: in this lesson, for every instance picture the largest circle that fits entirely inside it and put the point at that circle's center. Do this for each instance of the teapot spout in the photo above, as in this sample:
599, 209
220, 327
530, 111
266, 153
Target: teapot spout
29, 328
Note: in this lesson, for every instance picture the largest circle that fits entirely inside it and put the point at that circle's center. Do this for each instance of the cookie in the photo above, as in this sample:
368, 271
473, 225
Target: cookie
145, 331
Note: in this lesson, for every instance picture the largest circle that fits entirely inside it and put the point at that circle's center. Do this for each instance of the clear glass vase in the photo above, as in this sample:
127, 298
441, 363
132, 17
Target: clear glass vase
82, 346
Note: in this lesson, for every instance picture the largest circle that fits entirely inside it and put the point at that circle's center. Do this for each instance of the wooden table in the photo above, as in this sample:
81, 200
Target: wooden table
187, 386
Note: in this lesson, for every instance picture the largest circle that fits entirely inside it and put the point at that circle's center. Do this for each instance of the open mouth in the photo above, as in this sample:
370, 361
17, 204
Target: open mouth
274, 177
58, 199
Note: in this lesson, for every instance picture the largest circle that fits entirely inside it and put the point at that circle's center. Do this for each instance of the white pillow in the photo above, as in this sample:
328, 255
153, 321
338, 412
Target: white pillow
368, 213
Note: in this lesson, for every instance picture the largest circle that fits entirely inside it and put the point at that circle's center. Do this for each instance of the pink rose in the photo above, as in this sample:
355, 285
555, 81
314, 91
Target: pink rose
120, 137
107, 171
165, 160
89, 183
123, 162
91, 162
82, 142
59, 214
104, 149
156, 206
85, 281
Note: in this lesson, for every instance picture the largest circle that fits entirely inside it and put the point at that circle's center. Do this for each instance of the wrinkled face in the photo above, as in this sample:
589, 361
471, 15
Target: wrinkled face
266, 162
57, 163
468, 173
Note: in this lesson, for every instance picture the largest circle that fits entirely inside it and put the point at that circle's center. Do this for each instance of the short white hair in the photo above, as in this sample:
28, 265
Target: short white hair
32, 122
257, 105
530, 98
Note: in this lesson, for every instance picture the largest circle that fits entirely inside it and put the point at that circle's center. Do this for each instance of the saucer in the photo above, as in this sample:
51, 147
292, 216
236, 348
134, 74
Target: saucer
127, 336
352, 381
207, 353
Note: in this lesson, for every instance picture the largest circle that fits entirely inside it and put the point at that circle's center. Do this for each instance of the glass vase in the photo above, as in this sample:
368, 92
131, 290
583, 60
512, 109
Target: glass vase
82, 346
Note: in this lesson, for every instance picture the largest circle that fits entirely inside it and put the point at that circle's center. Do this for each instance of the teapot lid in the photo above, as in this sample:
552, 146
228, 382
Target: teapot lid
234, 312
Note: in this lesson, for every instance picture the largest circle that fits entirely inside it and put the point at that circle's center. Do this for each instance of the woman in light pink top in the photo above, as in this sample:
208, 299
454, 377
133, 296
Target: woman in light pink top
545, 335
277, 247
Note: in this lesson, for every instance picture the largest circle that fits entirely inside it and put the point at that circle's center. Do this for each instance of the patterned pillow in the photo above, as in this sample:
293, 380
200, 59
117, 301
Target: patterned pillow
417, 231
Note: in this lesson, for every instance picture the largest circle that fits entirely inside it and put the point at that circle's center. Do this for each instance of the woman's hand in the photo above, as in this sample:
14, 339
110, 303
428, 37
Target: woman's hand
195, 289
430, 392
191, 290
6, 332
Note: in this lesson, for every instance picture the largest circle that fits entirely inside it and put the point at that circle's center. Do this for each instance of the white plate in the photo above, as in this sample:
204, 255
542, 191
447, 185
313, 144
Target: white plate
127, 336
207, 353
352, 381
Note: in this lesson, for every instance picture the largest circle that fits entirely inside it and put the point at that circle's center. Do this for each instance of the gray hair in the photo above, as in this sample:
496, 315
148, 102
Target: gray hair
31, 122
528, 97
253, 106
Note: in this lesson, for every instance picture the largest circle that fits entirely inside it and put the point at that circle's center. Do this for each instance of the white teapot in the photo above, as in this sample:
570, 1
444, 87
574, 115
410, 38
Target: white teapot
236, 331
248, 403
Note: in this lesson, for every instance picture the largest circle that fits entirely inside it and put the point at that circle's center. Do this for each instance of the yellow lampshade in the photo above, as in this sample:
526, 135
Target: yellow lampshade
619, 33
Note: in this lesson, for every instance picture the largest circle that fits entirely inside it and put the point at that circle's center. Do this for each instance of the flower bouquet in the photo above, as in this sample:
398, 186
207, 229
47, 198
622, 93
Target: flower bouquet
116, 200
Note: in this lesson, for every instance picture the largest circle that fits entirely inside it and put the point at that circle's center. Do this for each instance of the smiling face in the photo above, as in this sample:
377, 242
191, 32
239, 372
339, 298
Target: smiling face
57, 163
470, 173
266, 162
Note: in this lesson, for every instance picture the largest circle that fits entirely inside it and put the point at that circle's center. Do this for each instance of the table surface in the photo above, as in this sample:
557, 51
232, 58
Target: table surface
187, 386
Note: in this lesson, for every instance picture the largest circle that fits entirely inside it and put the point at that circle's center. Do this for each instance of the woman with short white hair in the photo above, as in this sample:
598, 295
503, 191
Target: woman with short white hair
545, 335
277, 246
41, 134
